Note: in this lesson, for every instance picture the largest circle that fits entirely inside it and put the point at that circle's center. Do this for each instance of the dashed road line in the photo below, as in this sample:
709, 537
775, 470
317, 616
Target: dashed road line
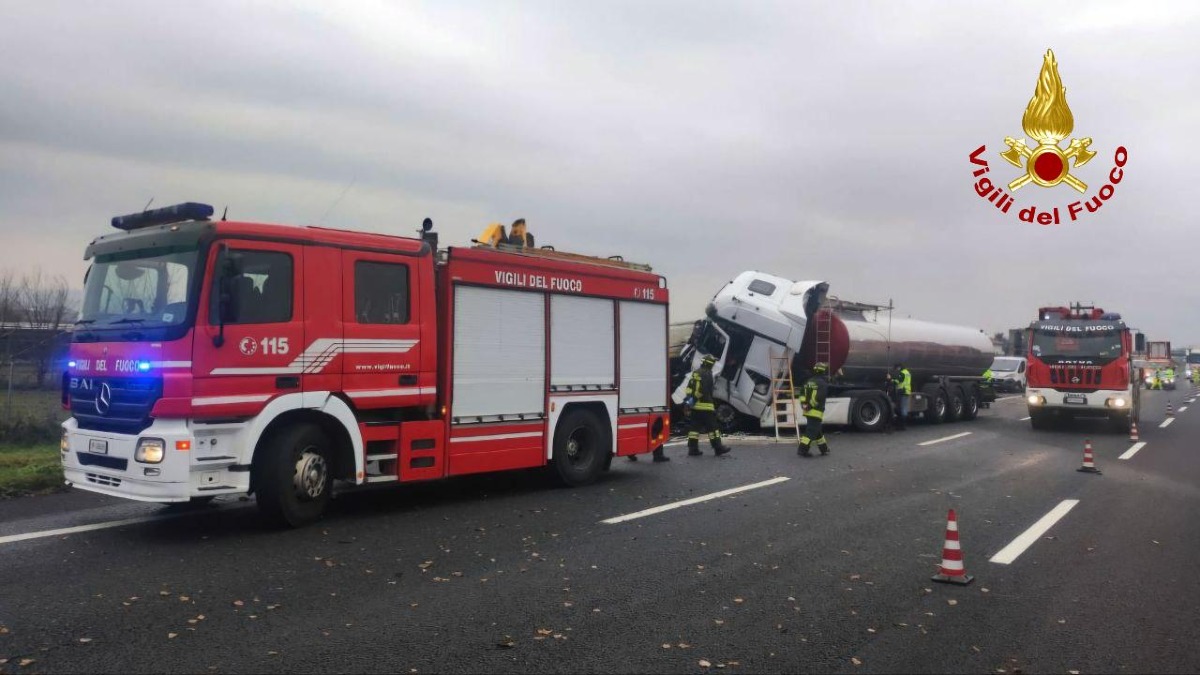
13, 538
693, 500
1028, 537
1024, 418
947, 438
1166, 423
1128, 454
1182, 408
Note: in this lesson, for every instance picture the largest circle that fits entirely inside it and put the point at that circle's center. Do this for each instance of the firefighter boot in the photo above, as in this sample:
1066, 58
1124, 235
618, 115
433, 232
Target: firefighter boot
659, 456
718, 447
823, 447
694, 447
803, 449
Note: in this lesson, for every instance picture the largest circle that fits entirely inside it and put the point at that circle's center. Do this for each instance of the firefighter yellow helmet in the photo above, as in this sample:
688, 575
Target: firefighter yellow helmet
820, 367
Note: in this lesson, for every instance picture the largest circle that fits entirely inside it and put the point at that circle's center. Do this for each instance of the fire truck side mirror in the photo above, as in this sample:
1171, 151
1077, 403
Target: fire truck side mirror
1139, 342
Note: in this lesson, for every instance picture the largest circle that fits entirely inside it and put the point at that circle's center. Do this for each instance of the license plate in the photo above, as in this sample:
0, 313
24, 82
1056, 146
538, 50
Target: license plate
97, 446
1075, 398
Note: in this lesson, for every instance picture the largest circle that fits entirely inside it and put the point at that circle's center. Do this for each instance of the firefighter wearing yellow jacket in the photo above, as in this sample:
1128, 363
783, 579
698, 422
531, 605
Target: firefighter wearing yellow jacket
812, 400
701, 410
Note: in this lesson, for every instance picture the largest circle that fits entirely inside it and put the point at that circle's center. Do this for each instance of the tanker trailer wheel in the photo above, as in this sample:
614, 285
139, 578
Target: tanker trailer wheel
869, 413
293, 476
936, 412
971, 406
957, 404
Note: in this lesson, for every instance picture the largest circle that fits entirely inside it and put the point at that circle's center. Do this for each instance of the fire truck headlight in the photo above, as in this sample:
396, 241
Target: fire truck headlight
1035, 399
1116, 402
149, 450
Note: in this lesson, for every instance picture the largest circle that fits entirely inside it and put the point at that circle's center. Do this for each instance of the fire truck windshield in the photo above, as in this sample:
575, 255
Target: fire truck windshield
138, 292
1056, 344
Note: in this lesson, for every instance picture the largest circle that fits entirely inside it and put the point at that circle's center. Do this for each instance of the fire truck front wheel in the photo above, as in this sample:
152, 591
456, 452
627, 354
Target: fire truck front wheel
293, 477
580, 447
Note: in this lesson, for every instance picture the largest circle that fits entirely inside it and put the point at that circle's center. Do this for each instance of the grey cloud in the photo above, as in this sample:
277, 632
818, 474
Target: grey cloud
823, 140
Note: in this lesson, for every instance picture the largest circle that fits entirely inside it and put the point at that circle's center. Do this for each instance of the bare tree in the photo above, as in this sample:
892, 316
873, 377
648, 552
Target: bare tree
45, 310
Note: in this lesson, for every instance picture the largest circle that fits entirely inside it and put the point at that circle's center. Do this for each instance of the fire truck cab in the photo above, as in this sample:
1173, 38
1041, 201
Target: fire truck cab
216, 357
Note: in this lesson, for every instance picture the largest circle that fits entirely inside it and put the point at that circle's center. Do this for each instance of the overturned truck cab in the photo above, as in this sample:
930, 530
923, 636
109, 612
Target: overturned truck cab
759, 324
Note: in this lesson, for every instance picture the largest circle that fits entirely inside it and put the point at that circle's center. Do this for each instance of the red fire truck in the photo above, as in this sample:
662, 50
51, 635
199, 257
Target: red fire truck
216, 357
1080, 366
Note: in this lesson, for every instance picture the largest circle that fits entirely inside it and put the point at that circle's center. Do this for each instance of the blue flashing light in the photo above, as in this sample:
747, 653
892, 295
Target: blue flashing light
163, 216
1111, 316
70, 364
143, 366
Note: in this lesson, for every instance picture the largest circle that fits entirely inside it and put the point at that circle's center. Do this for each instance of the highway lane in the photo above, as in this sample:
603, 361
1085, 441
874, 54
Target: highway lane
811, 573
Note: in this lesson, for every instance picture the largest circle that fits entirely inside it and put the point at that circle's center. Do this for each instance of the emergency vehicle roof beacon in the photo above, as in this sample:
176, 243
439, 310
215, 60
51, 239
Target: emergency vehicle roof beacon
214, 357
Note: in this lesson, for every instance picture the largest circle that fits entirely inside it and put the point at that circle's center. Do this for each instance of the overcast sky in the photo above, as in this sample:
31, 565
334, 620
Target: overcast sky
811, 140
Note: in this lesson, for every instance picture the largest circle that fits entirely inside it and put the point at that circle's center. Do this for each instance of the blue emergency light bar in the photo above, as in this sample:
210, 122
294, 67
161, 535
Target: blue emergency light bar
164, 216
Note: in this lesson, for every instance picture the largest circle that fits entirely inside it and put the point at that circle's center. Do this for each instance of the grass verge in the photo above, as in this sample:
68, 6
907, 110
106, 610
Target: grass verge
29, 470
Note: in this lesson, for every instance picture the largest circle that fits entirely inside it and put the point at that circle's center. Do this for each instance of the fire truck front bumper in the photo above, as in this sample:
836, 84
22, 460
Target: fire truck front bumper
156, 465
1102, 402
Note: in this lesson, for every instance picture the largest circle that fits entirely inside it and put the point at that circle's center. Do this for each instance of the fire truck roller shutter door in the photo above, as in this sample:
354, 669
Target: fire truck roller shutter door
499, 353
582, 344
643, 349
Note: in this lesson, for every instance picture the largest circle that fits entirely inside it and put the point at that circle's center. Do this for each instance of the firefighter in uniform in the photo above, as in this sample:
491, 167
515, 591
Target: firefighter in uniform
701, 411
812, 400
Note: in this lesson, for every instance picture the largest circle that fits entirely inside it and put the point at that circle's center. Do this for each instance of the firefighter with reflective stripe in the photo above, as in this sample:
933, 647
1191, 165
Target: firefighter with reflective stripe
812, 400
903, 380
702, 411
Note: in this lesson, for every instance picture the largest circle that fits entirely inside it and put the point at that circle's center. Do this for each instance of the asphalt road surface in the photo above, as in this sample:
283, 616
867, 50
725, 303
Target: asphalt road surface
819, 565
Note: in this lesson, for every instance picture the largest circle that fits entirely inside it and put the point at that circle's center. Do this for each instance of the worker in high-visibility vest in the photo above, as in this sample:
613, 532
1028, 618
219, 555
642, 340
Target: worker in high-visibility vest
1169, 374
903, 379
812, 401
1156, 382
701, 410
1196, 375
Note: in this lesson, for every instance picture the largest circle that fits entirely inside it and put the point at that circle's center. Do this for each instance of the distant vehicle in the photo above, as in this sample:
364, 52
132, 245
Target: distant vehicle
1159, 360
1008, 373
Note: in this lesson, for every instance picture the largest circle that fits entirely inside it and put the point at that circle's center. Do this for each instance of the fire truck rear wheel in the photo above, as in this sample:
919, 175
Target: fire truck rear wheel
293, 477
580, 447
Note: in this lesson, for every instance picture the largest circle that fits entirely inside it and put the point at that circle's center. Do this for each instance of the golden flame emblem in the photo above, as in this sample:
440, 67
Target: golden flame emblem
1048, 120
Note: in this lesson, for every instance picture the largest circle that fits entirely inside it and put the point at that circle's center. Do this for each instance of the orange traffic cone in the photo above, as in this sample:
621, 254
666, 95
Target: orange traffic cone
951, 570
1089, 465
1133, 433
1170, 410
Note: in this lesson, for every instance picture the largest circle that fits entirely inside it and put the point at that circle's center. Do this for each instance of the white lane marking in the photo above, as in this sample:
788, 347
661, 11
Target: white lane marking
1182, 408
84, 528
693, 500
1166, 423
1025, 418
948, 438
1025, 540
1133, 450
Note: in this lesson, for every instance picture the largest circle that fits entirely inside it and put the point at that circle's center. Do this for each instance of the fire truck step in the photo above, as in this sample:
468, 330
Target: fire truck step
382, 479
384, 456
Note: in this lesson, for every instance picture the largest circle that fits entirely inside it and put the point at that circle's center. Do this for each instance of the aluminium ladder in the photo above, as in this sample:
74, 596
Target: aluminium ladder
784, 408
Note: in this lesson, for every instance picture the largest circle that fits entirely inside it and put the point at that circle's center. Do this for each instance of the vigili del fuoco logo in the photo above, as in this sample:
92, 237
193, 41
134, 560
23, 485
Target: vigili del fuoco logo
1048, 120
